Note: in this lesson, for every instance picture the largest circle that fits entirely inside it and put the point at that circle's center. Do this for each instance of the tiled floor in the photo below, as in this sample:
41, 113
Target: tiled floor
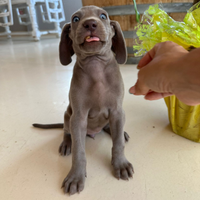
34, 88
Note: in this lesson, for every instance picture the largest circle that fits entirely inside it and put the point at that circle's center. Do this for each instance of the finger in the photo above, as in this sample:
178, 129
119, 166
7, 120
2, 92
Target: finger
144, 61
155, 95
140, 88
148, 57
132, 90
159, 49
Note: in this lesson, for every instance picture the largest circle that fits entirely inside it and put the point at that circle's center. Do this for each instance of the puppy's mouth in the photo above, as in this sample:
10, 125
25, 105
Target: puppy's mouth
92, 43
92, 39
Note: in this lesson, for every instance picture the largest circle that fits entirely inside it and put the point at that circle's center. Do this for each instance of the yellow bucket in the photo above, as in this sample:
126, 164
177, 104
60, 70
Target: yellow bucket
184, 119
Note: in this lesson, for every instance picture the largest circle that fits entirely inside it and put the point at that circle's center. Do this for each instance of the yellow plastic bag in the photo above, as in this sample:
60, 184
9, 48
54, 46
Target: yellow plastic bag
157, 26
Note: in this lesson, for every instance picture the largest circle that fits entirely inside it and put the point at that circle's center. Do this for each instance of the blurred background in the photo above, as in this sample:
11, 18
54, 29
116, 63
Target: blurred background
68, 5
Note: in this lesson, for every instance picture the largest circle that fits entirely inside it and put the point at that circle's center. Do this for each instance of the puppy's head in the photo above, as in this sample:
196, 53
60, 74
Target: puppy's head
91, 32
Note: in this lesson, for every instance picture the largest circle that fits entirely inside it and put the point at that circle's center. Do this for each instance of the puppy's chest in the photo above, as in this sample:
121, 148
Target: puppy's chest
102, 93
100, 100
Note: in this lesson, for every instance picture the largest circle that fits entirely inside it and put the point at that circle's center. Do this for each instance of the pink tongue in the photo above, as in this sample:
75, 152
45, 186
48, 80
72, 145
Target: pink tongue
92, 39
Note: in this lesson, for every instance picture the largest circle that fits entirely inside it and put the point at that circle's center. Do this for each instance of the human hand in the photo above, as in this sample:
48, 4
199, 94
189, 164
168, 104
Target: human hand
166, 70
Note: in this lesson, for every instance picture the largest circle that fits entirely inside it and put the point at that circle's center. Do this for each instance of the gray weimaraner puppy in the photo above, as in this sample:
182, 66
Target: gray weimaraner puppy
96, 92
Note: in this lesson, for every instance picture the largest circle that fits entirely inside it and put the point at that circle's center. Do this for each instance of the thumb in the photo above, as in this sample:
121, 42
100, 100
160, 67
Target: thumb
155, 95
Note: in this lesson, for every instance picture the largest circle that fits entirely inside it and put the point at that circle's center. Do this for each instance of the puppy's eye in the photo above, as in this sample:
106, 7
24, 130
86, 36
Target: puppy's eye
76, 19
103, 16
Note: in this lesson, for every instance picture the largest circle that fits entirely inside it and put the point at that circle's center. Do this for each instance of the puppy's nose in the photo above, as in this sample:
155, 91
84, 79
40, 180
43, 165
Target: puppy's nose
90, 25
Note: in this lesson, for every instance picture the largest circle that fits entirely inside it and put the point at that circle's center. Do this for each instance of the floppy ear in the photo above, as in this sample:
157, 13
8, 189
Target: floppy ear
118, 43
65, 48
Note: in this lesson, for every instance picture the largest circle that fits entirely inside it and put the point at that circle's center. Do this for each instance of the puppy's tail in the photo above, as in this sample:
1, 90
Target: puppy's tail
48, 126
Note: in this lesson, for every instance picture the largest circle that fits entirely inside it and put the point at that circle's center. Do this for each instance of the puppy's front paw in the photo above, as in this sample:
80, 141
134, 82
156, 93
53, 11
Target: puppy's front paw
122, 169
74, 183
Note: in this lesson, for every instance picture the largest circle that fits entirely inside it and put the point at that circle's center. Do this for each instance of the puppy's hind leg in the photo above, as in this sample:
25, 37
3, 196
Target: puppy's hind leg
107, 130
66, 145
